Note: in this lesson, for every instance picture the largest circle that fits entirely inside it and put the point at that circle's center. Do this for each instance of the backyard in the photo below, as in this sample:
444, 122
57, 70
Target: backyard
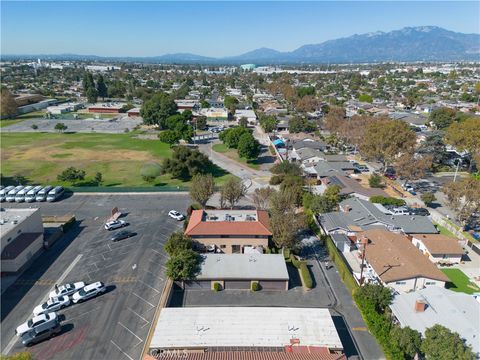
40, 157
459, 281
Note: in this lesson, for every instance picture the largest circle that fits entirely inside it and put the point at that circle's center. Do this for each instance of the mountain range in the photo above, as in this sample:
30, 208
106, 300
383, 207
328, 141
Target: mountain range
423, 43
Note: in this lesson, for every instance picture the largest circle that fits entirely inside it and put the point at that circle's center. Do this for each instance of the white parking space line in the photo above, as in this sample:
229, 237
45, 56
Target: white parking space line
123, 352
62, 277
85, 313
151, 287
148, 302
141, 317
116, 263
130, 331
158, 277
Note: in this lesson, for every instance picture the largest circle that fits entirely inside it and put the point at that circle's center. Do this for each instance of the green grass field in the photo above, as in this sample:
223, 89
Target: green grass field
40, 157
232, 154
7, 122
459, 281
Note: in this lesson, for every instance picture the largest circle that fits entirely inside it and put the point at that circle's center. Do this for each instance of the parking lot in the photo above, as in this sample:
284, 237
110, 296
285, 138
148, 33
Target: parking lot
113, 325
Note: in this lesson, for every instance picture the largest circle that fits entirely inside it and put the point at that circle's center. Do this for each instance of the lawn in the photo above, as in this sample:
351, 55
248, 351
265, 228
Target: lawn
459, 281
7, 122
40, 157
445, 231
232, 154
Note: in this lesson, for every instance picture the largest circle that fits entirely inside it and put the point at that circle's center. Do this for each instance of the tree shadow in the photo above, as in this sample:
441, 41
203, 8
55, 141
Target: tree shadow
14, 180
113, 184
90, 183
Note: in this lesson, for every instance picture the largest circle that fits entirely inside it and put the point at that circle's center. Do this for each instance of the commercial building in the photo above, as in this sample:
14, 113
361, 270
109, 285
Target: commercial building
133, 112
187, 104
440, 249
456, 311
238, 271
395, 262
215, 114
229, 231
255, 329
21, 237
106, 108
247, 114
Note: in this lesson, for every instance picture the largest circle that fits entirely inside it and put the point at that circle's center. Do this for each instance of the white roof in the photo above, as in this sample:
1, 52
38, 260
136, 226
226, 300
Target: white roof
183, 328
456, 311
245, 113
11, 217
243, 266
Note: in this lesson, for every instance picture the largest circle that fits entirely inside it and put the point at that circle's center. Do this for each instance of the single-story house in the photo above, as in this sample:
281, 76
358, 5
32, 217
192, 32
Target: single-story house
248, 114
424, 308
238, 271
306, 155
395, 261
326, 168
229, 231
438, 248
349, 186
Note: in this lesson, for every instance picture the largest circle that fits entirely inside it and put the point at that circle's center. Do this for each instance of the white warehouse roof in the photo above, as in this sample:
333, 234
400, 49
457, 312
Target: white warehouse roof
202, 327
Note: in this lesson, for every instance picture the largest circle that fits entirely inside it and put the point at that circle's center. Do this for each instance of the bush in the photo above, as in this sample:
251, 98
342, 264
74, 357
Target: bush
71, 174
387, 200
428, 198
255, 286
150, 171
276, 179
286, 253
217, 286
305, 274
376, 181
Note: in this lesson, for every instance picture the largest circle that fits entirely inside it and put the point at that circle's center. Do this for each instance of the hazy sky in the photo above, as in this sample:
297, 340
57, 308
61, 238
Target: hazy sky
225, 28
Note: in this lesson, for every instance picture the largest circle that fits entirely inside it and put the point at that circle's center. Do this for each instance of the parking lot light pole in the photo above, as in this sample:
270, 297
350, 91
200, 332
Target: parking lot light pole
456, 169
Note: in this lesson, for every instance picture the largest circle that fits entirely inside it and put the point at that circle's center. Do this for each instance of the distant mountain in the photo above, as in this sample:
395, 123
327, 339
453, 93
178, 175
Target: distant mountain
423, 43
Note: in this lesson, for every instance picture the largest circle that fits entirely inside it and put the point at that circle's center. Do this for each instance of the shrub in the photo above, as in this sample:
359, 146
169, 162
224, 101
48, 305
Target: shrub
255, 286
376, 181
387, 200
305, 274
286, 253
428, 198
34, 127
217, 286
71, 174
276, 179
150, 171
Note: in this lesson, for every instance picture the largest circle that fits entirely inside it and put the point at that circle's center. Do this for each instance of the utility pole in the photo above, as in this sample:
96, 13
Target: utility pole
456, 169
364, 242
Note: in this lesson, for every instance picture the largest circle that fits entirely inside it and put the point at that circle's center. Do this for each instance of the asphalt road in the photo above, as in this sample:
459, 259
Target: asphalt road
113, 325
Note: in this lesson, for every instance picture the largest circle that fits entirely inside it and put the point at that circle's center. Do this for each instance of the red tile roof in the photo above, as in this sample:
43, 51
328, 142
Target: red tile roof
196, 225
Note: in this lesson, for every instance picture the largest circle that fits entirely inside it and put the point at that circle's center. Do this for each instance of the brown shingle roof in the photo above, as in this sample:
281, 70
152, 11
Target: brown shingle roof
394, 258
196, 225
440, 244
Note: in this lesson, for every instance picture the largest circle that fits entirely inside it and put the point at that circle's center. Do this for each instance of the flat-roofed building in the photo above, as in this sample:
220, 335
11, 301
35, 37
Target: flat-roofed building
106, 108
229, 231
282, 330
21, 237
238, 271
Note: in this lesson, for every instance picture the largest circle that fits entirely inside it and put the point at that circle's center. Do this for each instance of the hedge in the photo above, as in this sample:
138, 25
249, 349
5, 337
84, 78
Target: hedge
387, 200
305, 275
342, 268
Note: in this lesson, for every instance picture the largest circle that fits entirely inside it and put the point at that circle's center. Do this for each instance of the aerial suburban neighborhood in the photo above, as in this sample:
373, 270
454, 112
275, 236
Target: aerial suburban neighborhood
320, 203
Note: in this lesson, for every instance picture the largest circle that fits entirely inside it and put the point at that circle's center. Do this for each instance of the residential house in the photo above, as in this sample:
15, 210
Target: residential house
350, 186
248, 114
324, 169
440, 249
229, 231
433, 305
394, 261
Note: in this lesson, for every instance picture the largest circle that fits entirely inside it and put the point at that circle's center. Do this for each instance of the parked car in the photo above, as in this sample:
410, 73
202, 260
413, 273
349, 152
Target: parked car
42, 332
67, 289
122, 235
55, 194
35, 322
52, 304
362, 168
176, 215
399, 210
88, 292
115, 224
30, 196
419, 211
42, 194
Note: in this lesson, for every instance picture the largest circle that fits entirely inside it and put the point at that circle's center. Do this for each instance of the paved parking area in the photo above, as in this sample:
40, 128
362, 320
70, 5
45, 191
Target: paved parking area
115, 324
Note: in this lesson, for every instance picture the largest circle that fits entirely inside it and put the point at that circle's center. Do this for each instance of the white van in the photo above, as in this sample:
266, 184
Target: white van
55, 193
42, 194
11, 194
4, 192
20, 196
30, 197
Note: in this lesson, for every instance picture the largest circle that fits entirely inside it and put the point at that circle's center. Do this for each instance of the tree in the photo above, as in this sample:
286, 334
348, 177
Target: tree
298, 124
428, 198
186, 162
335, 119
442, 117
407, 340
464, 197
157, 109
150, 171
23, 355
88, 83
268, 123
365, 98
92, 95
293, 185
71, 174
177, 242
202, 188
98, 179
285, 222
60, 127
102, 89
204, 104
286, 168
201, 122
170, 137
306, 104
465, 136
261, 197
248, 147
231, 137
385, 139
183, 265
375, 181
305, 91
243, 122
434, 146
233, 190
442, 344
377, 295
321, 204
230, 103
8, 105
34, 126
